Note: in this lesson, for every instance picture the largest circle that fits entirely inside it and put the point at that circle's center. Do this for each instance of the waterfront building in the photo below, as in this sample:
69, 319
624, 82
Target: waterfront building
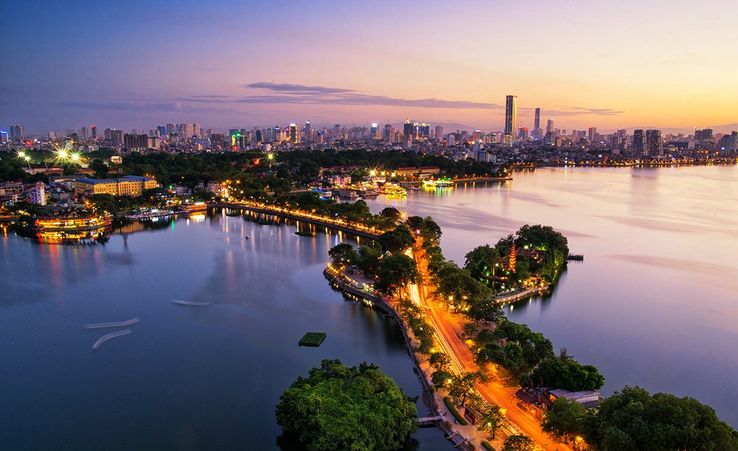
130, 185
639, 142
703, 137
511, 118
654, 143
36, 193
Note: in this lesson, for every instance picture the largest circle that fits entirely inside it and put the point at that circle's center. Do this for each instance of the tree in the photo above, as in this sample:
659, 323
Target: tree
566, 373
441, 378
518, 443
439, 360
396, 241
564, 418
391, 214
480, 262
395, 271
343, 254
337, 407
486, 309
491, 419
461, 386
633, 419
368, 260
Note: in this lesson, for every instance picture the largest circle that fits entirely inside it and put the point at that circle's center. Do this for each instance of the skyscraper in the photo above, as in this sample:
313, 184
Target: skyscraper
537, 132
308, 132
639, 142
16, 132
93, 132
294, 134
439, 133
511, 117
654, 143
374, 132
409, 129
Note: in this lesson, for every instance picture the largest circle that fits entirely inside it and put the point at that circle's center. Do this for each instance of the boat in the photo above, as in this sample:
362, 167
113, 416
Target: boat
394, 191
126, 323
369, 194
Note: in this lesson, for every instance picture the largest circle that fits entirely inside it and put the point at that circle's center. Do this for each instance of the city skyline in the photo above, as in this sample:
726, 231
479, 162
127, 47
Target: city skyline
228, 65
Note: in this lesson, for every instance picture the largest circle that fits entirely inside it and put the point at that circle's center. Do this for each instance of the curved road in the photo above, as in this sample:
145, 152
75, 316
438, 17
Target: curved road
447, 331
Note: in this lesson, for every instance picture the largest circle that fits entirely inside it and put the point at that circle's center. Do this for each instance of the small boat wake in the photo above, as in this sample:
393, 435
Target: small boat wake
126, 323
110, 336
191, 303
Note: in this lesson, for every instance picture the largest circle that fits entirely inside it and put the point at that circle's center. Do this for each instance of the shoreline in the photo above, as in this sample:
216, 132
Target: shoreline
437, 406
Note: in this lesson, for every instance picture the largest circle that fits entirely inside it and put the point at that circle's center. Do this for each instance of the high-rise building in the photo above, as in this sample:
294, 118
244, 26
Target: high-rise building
374, 131
537, 132
294, 134
511, 117
307, 132
703, 138
137, 142
4, 138
162, 130
439, 133
16, 132
639, 142
654, 143
116, 137
387, 133
592, 134
423, 130
93, 132
409, 130
550, 126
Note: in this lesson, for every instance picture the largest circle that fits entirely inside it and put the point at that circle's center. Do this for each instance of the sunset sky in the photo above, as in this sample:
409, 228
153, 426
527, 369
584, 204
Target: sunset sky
136, 64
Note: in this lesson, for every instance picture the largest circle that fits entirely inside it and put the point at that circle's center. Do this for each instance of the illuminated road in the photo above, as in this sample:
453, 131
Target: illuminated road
447, 330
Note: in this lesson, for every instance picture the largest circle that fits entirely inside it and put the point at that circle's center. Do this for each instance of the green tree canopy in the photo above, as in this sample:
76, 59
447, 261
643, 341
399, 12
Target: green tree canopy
518, 443
633, 419
394, 272
336, 407
564, 419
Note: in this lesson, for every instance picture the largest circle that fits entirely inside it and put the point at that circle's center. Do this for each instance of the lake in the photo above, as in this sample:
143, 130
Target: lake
187, 378
655, 302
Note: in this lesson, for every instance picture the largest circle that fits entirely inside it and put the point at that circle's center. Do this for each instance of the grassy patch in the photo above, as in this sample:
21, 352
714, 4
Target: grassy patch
312, 339
451, 408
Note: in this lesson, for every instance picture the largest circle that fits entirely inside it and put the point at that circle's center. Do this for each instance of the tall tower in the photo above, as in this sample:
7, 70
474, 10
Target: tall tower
639, 142
511, 117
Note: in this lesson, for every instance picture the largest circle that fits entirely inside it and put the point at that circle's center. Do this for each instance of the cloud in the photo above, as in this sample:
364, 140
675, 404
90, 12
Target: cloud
289, 93
298, 94
296, 88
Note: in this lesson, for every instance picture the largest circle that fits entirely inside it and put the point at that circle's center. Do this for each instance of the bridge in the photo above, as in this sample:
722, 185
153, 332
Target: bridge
308, 217
429, 421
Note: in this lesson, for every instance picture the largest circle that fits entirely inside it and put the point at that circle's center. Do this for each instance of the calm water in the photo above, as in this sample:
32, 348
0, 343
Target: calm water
188, 377
655, 302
